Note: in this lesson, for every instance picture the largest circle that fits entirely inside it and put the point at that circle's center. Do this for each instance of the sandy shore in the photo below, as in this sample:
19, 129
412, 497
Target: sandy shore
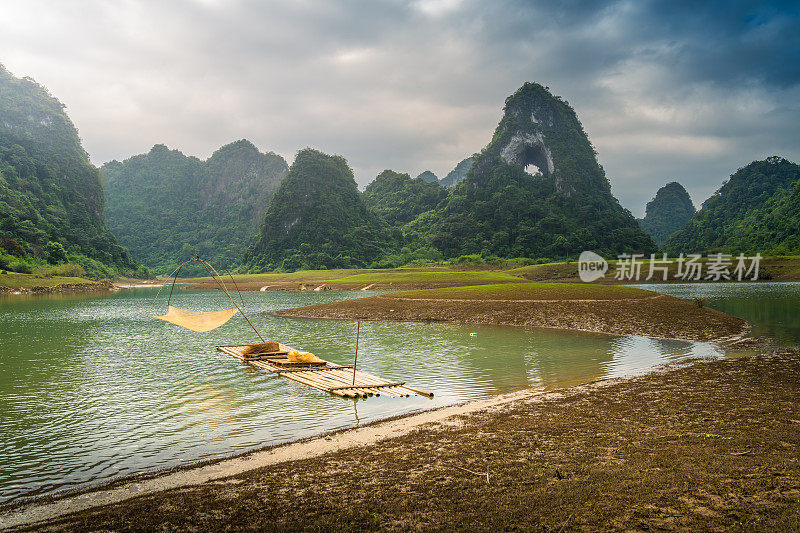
709, 446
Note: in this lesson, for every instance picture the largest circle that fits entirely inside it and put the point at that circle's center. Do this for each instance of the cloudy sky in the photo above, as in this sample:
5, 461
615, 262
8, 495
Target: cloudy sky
686, 91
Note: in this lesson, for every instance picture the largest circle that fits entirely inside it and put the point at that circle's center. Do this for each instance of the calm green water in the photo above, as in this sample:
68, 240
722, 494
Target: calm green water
773, 308
92, 388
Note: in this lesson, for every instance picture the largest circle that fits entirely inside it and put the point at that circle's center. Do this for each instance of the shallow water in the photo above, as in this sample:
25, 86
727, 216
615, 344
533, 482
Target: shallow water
92, 387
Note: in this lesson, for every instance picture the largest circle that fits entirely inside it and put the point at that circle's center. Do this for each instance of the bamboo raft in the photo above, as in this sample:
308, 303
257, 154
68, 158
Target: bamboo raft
324, 375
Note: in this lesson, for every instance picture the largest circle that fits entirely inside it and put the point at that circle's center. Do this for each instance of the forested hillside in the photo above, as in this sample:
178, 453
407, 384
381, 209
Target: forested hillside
536, 190
667, 212
165, 206
49, 191
755, 210
398, 199
317, 220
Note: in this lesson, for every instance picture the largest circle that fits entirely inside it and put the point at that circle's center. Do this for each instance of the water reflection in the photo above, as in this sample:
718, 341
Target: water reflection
93, 387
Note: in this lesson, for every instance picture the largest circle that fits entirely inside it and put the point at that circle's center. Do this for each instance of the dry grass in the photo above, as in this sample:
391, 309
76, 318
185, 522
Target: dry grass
711, 447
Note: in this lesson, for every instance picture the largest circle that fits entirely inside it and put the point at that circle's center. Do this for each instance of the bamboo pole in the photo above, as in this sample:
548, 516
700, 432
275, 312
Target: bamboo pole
345, 383
355, 360
323, 381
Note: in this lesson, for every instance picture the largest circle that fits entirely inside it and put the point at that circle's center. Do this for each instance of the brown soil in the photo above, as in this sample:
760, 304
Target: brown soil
712, 447
654, 316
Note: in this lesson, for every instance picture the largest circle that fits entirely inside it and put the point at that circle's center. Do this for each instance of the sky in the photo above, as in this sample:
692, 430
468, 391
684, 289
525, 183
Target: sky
667, 91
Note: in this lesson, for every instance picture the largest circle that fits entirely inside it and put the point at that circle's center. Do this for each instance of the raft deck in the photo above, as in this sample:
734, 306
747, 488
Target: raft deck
326, 376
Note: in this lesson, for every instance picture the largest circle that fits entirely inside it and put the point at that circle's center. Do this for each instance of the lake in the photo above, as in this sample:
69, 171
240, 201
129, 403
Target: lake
93, 388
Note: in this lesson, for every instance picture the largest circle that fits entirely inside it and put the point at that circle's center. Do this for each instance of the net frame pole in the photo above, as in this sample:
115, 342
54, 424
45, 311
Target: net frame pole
209, 268
355, 359
217, 278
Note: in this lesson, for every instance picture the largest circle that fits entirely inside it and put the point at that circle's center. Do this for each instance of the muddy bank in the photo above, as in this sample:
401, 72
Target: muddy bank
655, 316
711, 446
61, 288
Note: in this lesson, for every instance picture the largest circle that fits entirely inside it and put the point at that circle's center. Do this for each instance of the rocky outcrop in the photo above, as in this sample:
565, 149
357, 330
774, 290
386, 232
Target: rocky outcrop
526, 149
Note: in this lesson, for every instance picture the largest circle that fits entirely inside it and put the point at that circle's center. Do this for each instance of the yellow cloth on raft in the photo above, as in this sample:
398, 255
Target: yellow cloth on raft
198, 320
303, 357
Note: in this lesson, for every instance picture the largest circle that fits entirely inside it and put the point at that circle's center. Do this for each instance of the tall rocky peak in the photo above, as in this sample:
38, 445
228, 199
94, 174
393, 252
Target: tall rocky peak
49, 190
317, 219
667, 212
166, 205
506, 207
541, 133
455, 176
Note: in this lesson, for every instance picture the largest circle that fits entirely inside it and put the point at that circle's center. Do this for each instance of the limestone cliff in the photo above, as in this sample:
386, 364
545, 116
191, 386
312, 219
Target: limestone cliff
536, 190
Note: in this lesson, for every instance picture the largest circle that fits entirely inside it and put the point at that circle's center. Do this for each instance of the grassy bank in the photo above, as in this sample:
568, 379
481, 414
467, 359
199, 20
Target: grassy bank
573, 306
711, 447
770, 269
14, 280
445, 275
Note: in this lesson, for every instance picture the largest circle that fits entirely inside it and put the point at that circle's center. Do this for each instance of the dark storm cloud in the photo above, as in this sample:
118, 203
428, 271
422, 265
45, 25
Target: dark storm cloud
666, 90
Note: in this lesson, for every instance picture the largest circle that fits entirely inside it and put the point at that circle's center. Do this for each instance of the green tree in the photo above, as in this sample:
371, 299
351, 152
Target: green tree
55, 253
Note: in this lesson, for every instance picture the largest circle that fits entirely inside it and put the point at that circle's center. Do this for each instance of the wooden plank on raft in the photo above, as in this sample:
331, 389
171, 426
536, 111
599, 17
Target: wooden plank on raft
341, 380
375, 386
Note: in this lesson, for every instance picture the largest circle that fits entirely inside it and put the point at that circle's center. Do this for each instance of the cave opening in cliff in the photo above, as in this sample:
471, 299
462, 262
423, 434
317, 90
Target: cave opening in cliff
534, 160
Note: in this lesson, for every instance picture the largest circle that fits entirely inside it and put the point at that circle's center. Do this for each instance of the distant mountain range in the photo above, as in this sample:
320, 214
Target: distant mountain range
455, 176
49, 191
165, 206
536, 190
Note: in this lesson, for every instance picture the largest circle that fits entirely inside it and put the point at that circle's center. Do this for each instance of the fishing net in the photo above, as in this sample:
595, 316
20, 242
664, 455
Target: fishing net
198, 320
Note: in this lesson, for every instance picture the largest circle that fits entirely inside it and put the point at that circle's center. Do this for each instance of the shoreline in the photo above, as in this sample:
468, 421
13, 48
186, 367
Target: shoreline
218, 493
61, 288
46, 507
